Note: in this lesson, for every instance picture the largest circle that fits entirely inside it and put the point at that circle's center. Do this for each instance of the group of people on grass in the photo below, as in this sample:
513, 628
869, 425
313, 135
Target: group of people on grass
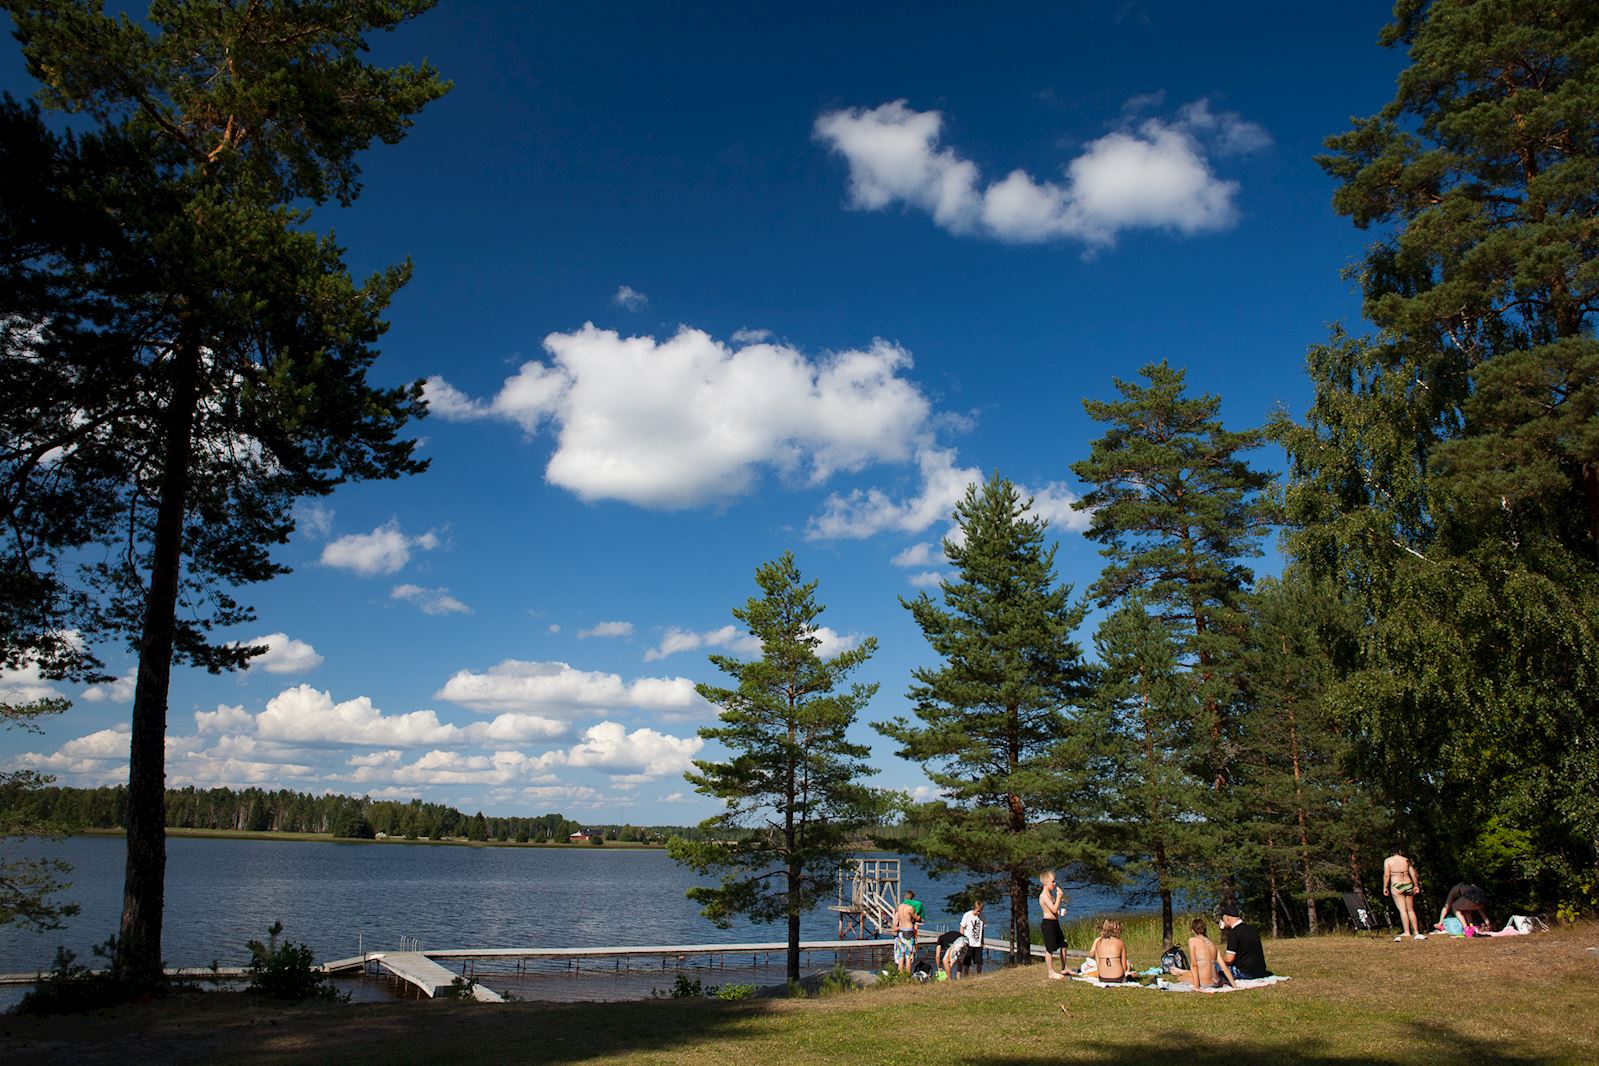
1241, 956
955, 950
1465, 909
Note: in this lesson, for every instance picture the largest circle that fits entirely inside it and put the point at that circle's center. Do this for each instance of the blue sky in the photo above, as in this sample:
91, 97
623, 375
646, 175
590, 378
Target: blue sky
693, 288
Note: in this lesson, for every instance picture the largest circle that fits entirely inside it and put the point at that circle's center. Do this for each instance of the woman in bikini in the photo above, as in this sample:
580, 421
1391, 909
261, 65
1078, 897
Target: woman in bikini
1109, 953
1400, 884
1206, 971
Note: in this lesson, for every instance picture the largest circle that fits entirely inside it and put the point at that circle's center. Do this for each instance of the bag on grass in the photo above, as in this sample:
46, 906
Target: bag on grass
1173, 959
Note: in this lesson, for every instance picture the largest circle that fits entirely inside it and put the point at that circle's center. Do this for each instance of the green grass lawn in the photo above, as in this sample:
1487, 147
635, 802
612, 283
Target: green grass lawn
1352, 1000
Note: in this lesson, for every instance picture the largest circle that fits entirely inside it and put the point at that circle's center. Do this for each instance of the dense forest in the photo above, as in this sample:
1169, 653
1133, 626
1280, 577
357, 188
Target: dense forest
283, 811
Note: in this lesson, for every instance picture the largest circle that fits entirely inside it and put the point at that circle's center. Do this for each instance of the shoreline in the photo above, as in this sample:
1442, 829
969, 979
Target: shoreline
328, 838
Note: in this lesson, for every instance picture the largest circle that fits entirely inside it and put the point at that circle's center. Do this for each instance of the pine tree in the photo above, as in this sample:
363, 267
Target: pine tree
213, 348
793, 780
1151, 720
1294, 761
1177, 508
1448, 472
994, 729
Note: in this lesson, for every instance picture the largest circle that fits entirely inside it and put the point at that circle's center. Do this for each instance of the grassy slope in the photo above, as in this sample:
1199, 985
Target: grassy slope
1352, 1000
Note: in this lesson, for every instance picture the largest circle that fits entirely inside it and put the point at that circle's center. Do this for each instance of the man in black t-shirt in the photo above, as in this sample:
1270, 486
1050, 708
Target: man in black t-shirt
1243, 951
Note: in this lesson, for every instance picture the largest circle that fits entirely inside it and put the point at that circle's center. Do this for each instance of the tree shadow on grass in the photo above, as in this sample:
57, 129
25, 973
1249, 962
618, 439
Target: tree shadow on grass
1428, 1043
212, 1030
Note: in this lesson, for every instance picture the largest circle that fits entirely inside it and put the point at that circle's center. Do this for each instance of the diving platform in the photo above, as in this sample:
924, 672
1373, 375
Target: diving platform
868, 896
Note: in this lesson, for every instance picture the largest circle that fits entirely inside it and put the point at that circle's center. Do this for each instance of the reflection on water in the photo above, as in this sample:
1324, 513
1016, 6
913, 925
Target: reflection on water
343, 898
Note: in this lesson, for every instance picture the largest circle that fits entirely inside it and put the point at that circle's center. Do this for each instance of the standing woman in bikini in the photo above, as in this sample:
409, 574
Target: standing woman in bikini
1400, 883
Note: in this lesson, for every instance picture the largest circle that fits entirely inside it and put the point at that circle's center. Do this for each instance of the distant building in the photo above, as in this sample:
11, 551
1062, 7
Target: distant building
579, 837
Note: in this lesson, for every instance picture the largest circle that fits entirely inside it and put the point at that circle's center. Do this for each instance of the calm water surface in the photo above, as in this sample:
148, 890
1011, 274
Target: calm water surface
340, 898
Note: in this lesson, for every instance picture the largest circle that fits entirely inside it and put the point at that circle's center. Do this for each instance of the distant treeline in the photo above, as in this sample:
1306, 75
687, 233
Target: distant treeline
283, 811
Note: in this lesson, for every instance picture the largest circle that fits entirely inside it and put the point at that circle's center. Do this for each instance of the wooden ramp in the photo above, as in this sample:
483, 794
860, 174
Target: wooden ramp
429, 977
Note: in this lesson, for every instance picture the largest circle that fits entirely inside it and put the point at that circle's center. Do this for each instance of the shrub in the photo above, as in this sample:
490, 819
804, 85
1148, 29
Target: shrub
735, 991
836, 981
285, 971
71, 987
684, 988
460, 988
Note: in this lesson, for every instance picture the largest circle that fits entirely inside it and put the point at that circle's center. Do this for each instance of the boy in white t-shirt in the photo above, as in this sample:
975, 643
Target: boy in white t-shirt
971, 928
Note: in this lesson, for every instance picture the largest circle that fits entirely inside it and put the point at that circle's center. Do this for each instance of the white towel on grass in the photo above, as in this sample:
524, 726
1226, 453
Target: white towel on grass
1244, 984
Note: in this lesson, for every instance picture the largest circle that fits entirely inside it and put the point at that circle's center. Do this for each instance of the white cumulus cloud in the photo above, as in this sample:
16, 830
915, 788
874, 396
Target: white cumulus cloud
283, 655
25, 684
1155, 174
688, 420
224, 719
729, 638
923, 553
642, 753
866, 512
606, 629
429, 601
385, 550
101, 744
306, 715
630, 299
558, 690
118, 691
741, 642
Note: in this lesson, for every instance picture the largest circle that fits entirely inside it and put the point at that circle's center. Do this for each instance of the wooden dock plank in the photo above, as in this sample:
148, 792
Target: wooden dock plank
417, 969
655, 949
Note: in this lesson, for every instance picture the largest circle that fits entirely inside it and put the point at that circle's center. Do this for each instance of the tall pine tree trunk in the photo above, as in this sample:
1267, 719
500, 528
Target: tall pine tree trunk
1021, 945
1304, 829
1016, 811
1166, 917
1590, 492
138, 956
790, 838
1271, 867
1162, 878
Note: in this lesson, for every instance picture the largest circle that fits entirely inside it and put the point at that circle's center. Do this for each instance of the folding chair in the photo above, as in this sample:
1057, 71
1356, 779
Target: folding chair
1362, 916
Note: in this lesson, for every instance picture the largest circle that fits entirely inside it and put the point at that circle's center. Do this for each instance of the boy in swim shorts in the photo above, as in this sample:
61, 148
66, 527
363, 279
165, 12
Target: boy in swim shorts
1051, 901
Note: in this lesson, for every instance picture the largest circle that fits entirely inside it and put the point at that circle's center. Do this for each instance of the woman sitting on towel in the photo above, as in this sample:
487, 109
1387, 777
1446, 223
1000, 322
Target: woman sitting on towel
1109, 953
1206, 972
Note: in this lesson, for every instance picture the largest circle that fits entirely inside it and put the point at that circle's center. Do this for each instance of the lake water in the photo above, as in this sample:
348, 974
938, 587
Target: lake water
341, 898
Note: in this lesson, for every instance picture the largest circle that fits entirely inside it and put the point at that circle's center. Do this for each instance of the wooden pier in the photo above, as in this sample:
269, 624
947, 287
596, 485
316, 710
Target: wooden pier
422, 970
427, 976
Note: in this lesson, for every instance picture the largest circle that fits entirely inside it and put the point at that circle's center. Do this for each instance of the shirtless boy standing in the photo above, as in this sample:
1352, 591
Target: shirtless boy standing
905, 937
1400, 884
1051, 901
